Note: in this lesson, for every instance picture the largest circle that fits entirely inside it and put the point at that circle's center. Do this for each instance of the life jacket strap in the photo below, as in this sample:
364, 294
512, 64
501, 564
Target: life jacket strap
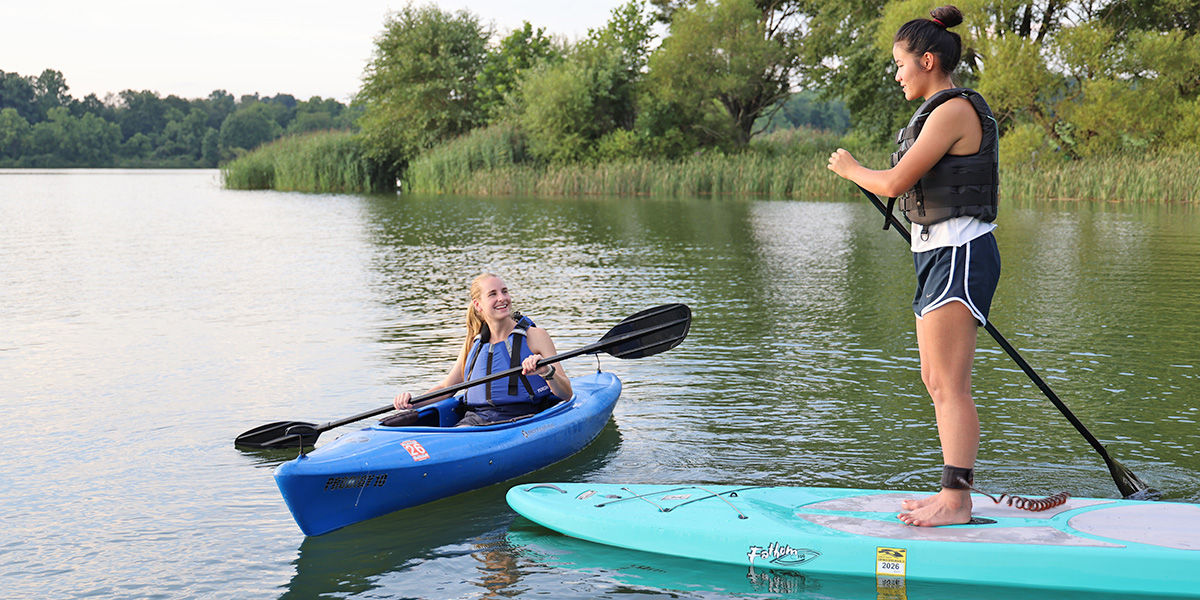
474, 356
515, 361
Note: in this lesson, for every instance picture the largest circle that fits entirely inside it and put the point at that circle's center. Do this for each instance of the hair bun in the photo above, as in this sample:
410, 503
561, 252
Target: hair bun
947, 16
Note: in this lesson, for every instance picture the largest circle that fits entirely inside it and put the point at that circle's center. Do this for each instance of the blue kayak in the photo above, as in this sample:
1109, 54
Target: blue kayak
1096, 545
379, 469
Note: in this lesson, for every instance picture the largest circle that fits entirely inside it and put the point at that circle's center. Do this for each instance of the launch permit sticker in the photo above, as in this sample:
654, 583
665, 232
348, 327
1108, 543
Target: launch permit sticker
889, 562
415, 449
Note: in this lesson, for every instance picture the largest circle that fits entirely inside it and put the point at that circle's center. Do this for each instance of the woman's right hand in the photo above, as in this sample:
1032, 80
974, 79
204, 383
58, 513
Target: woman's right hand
402, 401
842, 163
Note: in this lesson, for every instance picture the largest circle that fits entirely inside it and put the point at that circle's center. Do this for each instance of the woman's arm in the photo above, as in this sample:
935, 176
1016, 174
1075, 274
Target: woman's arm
542, 346
947, 130
403, 400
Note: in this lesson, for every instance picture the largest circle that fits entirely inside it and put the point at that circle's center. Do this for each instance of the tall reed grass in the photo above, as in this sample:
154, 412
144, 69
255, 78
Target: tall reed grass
323, 162
786, 164
442, 169
1168, 176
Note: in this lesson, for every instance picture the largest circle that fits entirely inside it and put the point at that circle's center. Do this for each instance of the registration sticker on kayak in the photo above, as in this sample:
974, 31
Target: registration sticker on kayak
890, 562
415, 450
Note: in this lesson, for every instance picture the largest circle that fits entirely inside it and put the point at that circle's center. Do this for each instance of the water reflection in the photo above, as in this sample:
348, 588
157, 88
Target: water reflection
802, 365
151, 317
643, 573
440, 550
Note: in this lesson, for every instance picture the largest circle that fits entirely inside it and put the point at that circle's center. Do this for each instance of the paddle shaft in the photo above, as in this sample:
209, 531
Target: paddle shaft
434, 395
1012, 352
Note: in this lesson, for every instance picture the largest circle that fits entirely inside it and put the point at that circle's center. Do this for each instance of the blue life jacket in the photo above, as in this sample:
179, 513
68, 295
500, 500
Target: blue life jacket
486, 358
956, 185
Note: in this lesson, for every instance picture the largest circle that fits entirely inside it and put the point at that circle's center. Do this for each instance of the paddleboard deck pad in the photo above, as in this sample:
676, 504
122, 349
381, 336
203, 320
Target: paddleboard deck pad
1105, 545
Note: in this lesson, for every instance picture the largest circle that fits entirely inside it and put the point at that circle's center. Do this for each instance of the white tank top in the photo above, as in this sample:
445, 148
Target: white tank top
951, 232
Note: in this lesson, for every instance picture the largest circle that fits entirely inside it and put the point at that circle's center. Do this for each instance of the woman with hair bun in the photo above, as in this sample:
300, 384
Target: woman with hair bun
499, 338
945, 178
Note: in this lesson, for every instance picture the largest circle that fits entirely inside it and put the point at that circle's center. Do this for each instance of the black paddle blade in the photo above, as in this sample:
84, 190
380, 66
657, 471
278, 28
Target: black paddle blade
280, 434
1131, 486
649, 332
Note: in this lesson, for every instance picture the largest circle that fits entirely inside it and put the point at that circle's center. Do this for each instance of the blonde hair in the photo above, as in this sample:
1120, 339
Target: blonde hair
475, 322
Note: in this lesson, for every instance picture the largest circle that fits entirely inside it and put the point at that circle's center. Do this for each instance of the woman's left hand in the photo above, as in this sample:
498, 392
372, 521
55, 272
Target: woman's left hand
841, 162
529, 365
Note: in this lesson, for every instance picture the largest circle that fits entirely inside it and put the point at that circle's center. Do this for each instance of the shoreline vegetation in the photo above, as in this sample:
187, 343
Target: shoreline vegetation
743, 98
786, 164
667, 98
324, 162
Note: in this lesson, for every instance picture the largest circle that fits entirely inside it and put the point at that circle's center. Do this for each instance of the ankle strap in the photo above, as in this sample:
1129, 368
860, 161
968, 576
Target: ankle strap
957, 478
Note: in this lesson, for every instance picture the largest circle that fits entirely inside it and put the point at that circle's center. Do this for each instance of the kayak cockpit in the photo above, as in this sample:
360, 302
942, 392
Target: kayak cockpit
445, 414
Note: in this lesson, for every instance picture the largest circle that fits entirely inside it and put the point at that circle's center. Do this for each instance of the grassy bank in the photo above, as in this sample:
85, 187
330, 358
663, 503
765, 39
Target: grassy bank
788, 164
1165, 177
326, 162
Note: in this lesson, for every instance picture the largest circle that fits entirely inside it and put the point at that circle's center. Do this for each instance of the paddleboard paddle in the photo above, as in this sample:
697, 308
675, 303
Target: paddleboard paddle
1130, 485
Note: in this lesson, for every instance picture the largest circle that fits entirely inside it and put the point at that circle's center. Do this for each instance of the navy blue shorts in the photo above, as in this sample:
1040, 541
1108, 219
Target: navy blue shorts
966, 273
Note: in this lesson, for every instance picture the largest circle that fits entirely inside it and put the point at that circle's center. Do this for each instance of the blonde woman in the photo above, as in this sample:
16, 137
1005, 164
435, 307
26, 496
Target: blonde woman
499, 338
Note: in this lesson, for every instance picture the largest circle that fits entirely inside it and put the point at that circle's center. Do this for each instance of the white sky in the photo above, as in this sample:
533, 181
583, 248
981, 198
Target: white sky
300, 47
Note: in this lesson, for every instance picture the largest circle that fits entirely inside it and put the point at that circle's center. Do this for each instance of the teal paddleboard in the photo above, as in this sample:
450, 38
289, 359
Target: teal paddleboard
1085, 544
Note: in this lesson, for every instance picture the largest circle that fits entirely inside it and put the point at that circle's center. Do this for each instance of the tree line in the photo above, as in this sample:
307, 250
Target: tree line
1067, 79
42, 125
665, 79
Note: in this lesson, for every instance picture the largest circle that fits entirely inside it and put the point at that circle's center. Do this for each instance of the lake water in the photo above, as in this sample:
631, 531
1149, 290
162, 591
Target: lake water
150, 316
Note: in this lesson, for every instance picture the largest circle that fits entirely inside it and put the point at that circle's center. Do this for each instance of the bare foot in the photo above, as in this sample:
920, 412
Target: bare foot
947, 507
912, 504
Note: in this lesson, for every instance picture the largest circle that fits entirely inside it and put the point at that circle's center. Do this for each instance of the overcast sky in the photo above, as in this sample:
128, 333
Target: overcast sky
300, 47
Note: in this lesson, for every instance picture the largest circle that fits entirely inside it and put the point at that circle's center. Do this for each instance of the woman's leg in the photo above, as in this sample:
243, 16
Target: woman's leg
946, 341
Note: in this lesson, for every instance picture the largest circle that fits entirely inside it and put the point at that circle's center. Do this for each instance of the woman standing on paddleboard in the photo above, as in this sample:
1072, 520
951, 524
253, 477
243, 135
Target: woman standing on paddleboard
945, 179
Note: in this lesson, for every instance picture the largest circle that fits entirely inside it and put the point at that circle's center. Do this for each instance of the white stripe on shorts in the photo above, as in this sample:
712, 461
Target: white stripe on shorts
942, 300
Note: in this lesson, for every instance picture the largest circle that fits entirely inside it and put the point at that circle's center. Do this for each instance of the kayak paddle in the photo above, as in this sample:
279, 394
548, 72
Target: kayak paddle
644, 334
1130, 485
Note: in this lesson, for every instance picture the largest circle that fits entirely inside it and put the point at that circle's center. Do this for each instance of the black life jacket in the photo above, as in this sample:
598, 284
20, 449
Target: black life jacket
956, 185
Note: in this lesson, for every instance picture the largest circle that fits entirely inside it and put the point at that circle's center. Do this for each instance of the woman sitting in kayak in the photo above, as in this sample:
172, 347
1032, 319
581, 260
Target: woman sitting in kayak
945, 177
498, 339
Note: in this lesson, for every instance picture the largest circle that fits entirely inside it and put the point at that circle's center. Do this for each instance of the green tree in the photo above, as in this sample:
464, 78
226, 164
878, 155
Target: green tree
1090, 82
248, 128
619, 53
50, 91
141, 112
14, 133
1153, 15
137, 147
421, 86
559, 111
63, 140
219, 105
839, 57
728, 56
94, 105
806, 109
566, 108
316, 114
17, 93
92, 140
504, 66
183, 138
